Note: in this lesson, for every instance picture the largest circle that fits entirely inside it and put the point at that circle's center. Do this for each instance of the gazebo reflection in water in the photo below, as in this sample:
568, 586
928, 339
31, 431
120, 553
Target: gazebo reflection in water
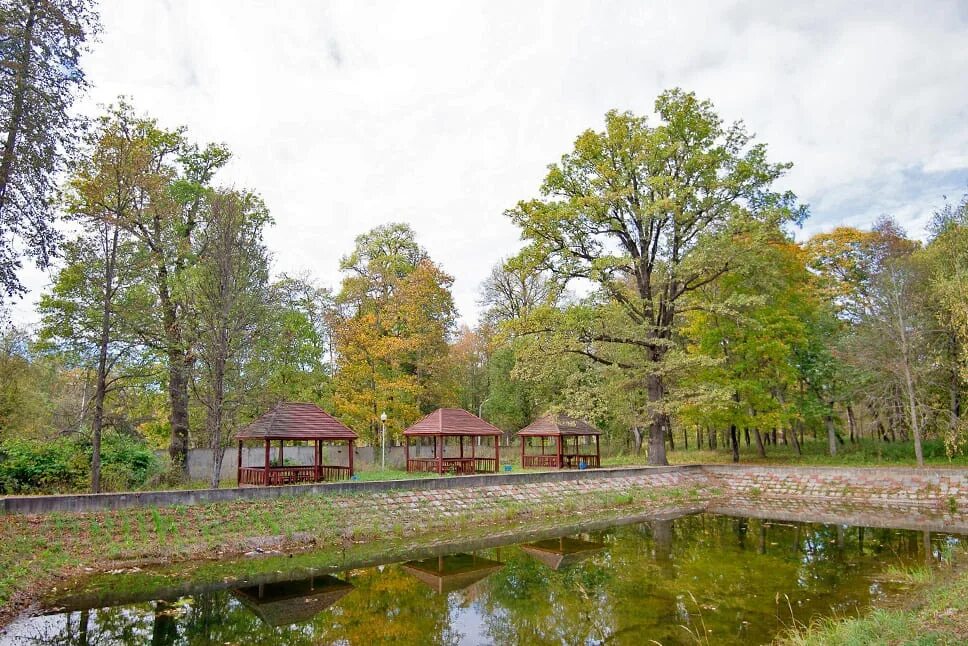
562, 552
290, 602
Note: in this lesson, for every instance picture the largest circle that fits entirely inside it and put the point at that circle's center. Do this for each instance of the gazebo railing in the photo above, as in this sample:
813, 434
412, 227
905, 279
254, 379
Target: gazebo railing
591, 461
458, 466
291, 475
486, 465
331, 472
540, 461
574, 459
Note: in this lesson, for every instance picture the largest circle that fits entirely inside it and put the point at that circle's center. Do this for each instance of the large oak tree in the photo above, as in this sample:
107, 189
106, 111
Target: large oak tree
640, 211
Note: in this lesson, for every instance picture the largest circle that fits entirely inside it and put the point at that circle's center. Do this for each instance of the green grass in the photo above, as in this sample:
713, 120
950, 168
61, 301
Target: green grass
938, 616
863, 453
372, 474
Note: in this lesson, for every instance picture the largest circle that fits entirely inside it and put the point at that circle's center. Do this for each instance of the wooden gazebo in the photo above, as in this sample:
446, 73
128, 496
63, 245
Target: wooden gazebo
290, 421
457, 423
566, 433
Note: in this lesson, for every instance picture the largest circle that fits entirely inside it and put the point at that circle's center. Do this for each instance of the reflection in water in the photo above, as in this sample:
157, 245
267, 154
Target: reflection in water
561, 552
289, 602
739, 580
445, 574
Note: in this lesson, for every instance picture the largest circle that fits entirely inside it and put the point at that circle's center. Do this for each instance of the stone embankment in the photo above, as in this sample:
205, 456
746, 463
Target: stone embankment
938, 490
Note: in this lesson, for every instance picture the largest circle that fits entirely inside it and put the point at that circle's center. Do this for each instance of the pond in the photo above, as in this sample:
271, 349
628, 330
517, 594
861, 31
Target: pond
725, 579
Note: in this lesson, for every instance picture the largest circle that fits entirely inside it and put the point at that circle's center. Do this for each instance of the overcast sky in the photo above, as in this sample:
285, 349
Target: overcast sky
347, 115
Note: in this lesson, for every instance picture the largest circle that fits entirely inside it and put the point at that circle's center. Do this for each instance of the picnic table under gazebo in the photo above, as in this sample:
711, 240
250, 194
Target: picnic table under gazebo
571, 446
299, 422
453, 423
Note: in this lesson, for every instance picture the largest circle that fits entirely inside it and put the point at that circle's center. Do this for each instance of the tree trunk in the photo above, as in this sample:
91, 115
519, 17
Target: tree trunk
913, 412
828, 420
796, 441
660, 421
954, 388
759, 443
21, 86
107, 296
178, 400
734, 441
177, 377
746, 433
637, 439
852, 423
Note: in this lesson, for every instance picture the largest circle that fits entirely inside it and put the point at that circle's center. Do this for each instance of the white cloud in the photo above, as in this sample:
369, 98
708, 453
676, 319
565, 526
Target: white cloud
347, 115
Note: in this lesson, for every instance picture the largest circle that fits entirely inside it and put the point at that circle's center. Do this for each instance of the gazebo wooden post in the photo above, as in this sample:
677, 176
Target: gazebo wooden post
439, 446
560, 451
317, 449
460, 438
598, 453
497, 453
282, 453
351, 458
265, 474
238, 471
524, 441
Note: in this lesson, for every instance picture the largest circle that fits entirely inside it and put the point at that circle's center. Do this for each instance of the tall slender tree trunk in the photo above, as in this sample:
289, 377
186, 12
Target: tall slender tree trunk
852, 423
637, 439
734, 441
796, 440
759, 443
216, 419
954, 388
110, 242
21, 84
913, 412
909, 386
216, 409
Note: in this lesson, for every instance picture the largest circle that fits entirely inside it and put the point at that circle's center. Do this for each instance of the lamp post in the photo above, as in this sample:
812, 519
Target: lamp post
480, 413
383, 442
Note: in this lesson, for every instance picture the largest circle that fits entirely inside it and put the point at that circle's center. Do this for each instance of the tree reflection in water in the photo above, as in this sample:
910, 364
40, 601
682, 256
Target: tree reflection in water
740, 579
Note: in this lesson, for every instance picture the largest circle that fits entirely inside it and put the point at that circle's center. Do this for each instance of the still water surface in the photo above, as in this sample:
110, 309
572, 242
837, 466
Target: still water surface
735, 580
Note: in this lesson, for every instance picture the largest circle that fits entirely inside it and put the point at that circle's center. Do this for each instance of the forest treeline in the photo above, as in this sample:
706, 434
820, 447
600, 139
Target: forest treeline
659, 292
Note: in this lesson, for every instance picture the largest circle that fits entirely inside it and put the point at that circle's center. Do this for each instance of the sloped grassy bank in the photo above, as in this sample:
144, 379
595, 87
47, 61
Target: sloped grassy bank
37, 552
936, 615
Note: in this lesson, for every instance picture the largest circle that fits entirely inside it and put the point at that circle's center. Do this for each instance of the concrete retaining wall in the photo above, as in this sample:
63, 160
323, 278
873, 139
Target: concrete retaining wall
941, 490
105, 501
896, 486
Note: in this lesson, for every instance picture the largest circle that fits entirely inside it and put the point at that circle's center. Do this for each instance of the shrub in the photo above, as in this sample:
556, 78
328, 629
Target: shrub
64, 464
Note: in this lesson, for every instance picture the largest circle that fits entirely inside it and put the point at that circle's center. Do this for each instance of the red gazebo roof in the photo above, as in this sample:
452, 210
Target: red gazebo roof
296, 421
557, 425
452, 421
